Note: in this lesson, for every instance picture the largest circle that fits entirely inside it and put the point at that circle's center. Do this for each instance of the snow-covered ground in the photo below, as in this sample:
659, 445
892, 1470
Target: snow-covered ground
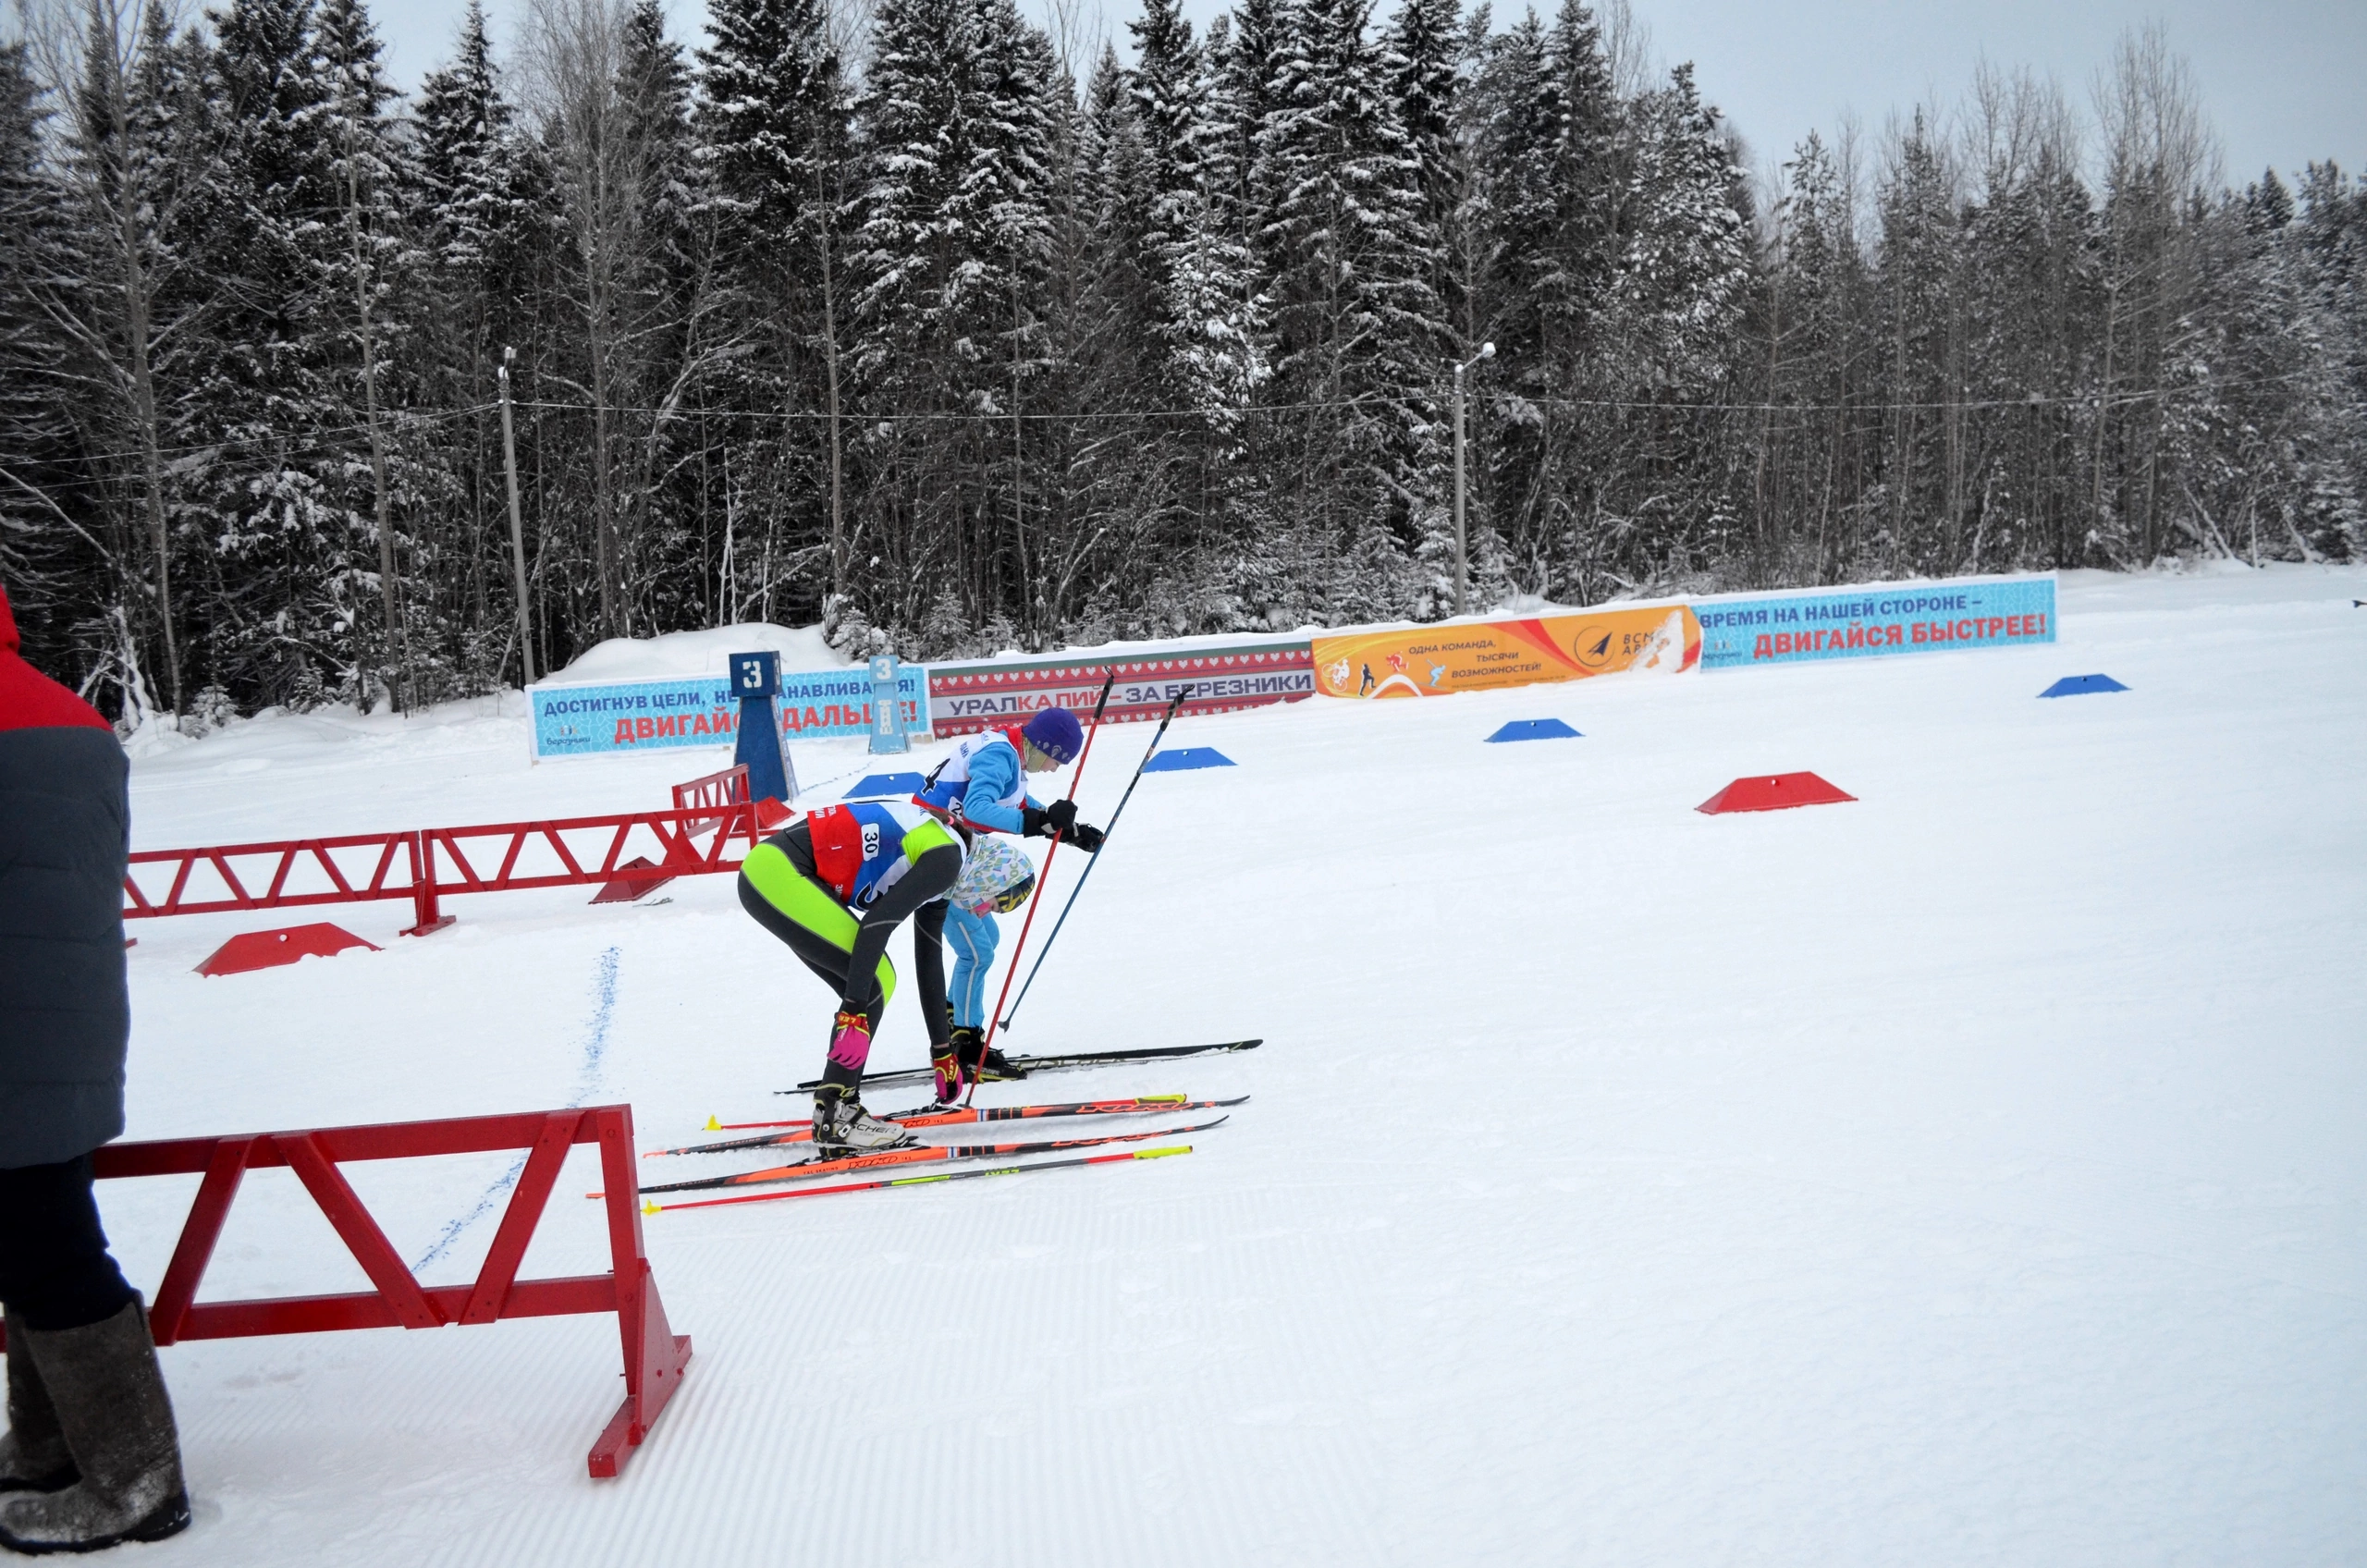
1974, 1173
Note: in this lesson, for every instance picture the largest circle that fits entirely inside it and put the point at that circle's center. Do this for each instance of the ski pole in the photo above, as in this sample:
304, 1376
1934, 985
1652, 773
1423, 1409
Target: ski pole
1047, 952
1036, 897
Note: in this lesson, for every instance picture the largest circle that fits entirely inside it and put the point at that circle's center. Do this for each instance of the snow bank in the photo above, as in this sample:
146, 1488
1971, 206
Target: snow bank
1969, 1174
700, 652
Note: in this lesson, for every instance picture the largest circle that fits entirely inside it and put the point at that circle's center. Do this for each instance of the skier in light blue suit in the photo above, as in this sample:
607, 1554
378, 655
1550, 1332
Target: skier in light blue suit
986, 779
983, 784
996, 881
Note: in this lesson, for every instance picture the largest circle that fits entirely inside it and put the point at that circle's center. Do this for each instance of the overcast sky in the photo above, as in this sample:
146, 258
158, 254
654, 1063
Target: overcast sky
2282, 79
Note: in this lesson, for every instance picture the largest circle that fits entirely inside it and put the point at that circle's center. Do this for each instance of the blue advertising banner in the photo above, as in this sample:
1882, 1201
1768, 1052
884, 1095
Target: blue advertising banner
702, 710
1848, 623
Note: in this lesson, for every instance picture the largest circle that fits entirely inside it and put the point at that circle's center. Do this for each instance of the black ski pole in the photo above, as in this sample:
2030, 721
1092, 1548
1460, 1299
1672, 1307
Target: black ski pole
1045, 951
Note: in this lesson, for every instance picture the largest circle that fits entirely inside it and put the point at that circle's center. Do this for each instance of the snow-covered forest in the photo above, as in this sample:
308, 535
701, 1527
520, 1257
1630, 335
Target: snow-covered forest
940, 328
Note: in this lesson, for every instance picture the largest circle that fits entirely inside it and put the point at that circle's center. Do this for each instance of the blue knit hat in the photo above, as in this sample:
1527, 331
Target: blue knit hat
1056, 733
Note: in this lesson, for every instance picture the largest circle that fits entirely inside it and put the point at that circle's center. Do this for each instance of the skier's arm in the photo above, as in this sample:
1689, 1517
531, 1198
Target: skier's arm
931, 877
992, 773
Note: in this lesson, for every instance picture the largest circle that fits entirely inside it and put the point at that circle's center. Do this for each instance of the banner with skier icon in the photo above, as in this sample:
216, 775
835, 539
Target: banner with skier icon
1431, 661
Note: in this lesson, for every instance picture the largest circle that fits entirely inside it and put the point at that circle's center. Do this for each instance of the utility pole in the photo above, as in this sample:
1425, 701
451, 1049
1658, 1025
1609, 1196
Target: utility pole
1461, 570
517, 530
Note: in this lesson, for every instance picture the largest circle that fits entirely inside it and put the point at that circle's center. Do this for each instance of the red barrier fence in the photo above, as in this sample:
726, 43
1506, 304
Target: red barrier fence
728, 788
654, 1353
425, 864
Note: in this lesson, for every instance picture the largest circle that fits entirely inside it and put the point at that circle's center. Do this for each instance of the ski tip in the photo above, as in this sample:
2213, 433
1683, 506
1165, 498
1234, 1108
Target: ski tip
1162, 1154
595, 1194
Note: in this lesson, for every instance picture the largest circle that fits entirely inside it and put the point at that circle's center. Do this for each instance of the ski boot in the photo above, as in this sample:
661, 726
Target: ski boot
981, 1065
842, 1127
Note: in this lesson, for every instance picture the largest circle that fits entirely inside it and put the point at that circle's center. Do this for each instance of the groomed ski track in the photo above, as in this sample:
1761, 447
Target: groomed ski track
1969, 1174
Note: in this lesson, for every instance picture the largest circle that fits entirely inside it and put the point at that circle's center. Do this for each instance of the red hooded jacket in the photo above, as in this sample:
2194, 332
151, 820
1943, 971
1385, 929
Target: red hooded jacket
30, 700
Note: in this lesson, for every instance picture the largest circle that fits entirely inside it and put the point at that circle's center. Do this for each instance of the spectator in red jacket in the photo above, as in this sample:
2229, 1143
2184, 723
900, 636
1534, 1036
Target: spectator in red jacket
91, 1456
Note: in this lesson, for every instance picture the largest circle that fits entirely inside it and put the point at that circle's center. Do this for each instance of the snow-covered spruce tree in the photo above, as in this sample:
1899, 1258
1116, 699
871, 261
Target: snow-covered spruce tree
1583, 511
681, 333
137, 148
1685, 267
486, 232
2027, 233
288, 597
2155, 152
2329, 238
1241, 83
372, 282
1811, 354
1518, 211
2255, 420
52, 555
1358, 333
1922, 350
954, 221
775, 141
1424, 51
1423, 54
1202, 323
612, 95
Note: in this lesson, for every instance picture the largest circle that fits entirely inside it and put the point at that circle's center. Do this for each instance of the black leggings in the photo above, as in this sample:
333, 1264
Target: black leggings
851, 966
54, 1269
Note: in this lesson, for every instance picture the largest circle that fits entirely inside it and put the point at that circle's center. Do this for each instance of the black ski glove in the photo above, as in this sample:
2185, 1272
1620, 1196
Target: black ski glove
1061, 817
1086, 837
1031, 821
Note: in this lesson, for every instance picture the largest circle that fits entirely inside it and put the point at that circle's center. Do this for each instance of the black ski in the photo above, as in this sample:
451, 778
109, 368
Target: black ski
1063, 1061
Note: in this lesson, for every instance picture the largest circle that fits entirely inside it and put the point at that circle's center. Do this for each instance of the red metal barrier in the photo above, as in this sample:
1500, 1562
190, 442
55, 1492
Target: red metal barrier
728, 788
426, 864
654, 1353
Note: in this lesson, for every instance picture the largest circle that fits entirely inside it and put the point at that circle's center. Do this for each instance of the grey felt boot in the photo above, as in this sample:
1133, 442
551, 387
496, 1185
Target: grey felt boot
109, 1397
32, 1453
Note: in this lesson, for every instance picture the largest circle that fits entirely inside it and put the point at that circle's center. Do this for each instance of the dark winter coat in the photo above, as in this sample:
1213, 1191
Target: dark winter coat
64, 830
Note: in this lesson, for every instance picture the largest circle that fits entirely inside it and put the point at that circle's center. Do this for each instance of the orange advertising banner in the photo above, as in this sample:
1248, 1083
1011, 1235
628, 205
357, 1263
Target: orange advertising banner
1430, 661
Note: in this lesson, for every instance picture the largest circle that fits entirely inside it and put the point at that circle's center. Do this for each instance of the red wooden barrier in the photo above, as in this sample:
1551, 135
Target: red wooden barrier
426, 864
653, 1354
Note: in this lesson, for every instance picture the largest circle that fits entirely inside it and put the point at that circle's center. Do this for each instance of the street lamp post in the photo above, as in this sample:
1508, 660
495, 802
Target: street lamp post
1486, 351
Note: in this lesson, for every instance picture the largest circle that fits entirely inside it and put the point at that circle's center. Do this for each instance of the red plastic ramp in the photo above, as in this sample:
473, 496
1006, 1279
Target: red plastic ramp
251, 950
1772, 793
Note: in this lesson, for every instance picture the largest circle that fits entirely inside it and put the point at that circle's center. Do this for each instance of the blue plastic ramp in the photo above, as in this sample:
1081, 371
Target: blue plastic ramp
1534, 729
2080, 685
1186, 758
878, 786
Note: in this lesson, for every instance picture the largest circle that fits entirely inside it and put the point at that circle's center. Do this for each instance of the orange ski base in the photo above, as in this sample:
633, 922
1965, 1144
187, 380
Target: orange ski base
1772, 793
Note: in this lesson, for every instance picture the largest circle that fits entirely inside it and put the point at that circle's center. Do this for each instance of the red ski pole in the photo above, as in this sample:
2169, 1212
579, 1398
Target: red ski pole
1038, 896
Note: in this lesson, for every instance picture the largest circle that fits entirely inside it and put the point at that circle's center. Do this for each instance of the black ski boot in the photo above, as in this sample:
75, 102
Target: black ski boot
980, 1065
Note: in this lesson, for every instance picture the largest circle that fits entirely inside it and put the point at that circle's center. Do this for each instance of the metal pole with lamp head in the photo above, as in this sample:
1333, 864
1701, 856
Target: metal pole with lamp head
1462, 573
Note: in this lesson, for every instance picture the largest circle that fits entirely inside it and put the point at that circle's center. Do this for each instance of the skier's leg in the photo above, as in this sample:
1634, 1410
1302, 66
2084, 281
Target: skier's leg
972, 939
779, 889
